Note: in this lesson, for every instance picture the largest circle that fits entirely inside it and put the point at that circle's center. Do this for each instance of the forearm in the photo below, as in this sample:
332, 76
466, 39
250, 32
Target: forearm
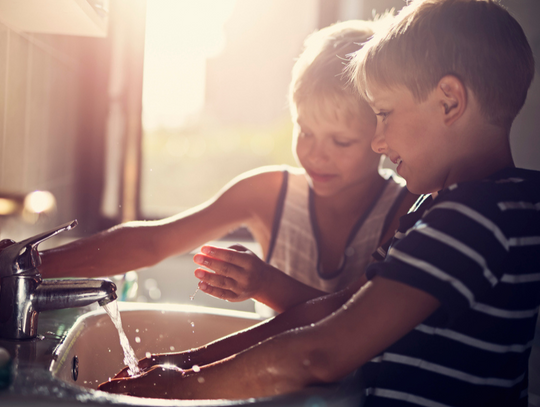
114, 251
283, 364
298, 316
281, 292
265, 370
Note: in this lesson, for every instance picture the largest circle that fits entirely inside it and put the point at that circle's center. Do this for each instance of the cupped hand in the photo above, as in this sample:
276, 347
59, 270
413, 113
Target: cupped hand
238, 274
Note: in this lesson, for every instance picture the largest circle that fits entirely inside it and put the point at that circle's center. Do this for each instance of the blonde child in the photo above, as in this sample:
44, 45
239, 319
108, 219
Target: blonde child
332, 212
339, 205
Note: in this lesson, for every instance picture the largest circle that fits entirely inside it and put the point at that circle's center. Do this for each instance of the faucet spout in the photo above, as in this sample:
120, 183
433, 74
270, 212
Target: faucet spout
23, 298
24, 294
59, 294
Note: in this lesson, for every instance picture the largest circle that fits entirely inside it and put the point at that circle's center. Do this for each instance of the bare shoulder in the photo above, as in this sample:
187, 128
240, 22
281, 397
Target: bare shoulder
258, 185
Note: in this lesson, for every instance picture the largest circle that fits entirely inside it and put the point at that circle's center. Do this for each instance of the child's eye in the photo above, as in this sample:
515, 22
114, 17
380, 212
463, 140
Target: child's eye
342, 143
382, 115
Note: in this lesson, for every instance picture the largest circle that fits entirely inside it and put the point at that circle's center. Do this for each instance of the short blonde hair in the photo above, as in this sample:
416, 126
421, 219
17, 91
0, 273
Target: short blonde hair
318, 74
477, 41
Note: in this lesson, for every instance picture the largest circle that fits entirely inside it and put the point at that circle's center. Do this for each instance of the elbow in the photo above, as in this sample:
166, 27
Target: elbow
323, 367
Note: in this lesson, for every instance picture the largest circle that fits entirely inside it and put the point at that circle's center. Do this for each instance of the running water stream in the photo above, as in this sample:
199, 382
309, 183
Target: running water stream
130, 360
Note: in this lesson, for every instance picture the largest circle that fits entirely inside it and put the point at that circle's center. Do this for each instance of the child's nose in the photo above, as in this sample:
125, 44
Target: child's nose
318, 152
378, 143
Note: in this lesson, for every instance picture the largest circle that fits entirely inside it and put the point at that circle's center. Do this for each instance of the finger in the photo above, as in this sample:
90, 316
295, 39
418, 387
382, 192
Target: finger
220, 293
240, 259
217, 280
122, 373
238, 247
116, 386
221, 267
144, 364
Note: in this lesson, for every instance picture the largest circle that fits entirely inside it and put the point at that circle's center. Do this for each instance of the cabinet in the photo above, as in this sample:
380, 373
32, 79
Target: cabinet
67, 17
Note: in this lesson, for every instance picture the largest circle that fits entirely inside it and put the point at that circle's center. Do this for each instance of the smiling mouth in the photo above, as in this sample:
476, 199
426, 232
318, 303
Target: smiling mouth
320, 177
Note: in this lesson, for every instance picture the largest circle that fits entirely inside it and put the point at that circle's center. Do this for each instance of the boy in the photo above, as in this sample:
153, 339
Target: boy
337, 205
448, 318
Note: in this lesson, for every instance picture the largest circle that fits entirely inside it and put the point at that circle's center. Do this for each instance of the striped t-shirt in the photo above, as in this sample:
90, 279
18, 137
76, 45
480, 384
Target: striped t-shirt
477, 250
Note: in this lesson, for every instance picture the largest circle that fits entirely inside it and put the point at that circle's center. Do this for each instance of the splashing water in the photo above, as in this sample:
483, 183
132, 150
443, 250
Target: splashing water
130, 359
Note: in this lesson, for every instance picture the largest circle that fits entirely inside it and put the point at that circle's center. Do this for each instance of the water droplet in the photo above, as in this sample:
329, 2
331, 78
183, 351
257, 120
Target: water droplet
137, 330
137, 339
192, 296
147, 354
200, 379
193, 324
171, 348
196, 368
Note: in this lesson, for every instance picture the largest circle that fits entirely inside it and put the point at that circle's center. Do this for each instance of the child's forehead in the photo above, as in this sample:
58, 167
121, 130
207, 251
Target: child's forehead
377, 93
328, 109
335, 107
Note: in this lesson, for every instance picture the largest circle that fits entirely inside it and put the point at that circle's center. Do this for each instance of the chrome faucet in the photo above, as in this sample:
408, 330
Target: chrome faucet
23, 293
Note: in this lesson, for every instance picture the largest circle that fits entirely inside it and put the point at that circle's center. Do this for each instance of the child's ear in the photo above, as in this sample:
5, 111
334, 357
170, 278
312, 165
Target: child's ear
452, 97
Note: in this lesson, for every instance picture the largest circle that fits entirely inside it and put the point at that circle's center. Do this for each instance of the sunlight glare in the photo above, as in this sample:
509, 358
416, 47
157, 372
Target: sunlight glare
180, 36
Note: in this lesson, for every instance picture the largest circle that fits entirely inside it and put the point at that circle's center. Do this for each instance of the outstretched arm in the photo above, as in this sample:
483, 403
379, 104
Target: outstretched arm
378, 315
139, 244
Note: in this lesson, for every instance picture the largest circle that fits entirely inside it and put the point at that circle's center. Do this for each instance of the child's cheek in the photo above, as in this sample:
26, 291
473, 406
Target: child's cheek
300, 150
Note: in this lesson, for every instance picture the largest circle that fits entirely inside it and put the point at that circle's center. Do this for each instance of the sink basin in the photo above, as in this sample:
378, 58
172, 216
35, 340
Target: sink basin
94, 343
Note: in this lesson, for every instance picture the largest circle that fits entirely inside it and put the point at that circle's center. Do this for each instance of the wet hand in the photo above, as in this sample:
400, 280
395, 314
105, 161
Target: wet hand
144, 365
184, 360
238, 274
157, 382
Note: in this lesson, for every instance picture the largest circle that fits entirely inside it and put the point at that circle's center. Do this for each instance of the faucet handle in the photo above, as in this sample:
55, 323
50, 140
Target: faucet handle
23, 258
6, 243
37, 239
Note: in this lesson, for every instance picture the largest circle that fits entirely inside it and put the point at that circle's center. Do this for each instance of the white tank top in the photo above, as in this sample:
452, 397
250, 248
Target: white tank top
293, 246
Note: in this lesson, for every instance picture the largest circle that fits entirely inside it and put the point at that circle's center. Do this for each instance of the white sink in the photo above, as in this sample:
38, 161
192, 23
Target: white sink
93, 341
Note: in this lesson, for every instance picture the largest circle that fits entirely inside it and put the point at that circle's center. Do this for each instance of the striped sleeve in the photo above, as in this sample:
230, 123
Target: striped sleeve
465, 245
